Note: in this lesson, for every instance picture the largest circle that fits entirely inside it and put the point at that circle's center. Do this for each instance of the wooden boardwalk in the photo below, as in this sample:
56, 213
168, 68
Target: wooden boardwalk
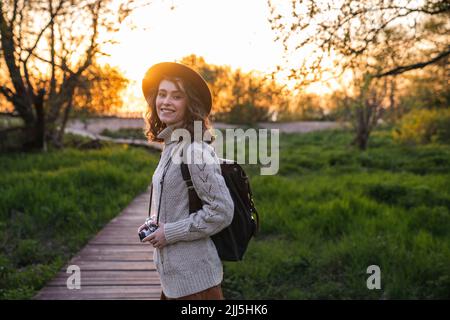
114, 264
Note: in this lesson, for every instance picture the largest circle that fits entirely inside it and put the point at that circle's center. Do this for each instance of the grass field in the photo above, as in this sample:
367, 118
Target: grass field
52, 204
331, 212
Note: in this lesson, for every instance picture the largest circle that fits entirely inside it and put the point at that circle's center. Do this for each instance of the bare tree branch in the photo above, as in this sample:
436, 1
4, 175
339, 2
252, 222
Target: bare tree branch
52, 17
356, 31
419, 65
7, 93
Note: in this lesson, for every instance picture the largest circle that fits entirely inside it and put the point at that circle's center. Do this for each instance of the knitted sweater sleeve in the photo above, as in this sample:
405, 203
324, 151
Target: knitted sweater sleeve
218, 207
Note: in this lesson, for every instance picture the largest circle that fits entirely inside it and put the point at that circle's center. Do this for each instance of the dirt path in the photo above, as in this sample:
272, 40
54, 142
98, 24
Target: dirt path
96, 126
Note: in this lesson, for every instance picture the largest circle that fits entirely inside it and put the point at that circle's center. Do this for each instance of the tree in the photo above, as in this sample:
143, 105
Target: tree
377, 38
428, 89
351, 31
216, 76
239, 97
50, 58
367, 108
101, 90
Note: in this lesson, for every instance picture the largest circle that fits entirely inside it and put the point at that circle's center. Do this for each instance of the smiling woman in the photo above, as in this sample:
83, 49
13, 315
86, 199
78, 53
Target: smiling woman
177, 95
185, 255
171, 101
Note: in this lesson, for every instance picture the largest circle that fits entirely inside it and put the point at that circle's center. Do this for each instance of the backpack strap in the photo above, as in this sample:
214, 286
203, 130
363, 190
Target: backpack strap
151, 193
166, 167
150, 203
253, 208
195, 203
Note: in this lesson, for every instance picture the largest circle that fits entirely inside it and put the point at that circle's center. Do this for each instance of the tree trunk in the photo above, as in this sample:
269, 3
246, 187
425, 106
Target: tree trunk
40, 121
361, 139
35, 132
392, 107
56, 122
60, 137
362, 129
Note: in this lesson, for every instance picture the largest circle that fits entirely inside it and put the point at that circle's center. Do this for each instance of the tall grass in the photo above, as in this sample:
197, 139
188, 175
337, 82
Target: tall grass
329, 213
332, 211
52, 203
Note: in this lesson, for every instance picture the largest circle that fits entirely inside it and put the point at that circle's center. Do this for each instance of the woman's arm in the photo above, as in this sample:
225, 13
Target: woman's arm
218, 207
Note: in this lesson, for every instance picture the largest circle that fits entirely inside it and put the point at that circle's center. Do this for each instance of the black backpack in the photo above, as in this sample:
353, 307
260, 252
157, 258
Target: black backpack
231, 242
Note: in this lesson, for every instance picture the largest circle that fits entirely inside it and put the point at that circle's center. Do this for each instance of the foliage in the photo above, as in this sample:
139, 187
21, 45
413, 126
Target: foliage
422, 126
126, 133
54, 65
245, 114
332, 39
329, 213
100, 90
52, 203
428, 89
332, 211
240, 97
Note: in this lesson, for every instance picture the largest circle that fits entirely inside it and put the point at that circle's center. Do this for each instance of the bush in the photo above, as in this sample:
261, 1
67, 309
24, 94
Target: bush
125, 133
424, 126
29, 251
244, 114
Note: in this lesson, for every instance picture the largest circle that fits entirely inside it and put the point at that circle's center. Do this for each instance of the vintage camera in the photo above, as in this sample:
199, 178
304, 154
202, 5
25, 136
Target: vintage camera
150, 228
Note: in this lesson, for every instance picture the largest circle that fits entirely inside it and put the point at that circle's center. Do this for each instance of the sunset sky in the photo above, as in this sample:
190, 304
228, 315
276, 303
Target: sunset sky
232, 32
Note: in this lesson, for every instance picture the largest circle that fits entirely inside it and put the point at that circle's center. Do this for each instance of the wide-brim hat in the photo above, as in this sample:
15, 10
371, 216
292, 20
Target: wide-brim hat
156, 72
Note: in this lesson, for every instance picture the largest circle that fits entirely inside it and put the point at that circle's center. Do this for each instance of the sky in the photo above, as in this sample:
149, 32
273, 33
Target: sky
232, 32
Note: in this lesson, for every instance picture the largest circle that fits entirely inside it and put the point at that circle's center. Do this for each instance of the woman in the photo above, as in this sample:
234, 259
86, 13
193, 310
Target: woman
185, 256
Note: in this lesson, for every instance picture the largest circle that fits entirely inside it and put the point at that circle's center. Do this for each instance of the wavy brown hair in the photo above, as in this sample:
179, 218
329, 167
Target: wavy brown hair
195, 111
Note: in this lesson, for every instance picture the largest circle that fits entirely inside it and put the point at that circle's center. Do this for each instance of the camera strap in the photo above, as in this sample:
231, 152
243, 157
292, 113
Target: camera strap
166, 168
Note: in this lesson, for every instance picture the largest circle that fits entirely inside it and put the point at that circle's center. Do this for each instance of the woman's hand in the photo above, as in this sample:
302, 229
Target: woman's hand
144, 226
157, 238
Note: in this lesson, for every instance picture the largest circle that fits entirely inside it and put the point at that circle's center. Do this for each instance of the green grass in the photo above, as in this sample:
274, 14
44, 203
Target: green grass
52, 203
125, 133
332, 211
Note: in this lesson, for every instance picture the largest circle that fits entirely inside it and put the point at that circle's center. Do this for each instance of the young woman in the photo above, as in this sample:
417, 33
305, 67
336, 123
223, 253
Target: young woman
185, 256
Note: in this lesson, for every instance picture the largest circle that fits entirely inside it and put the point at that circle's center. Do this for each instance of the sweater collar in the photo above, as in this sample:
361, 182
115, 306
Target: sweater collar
166, 133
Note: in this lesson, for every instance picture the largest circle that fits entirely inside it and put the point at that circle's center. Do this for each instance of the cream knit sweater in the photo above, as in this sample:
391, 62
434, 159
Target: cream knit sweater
190, 263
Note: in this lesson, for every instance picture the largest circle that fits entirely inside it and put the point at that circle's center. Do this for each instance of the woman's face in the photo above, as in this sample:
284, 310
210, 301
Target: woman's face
171, 103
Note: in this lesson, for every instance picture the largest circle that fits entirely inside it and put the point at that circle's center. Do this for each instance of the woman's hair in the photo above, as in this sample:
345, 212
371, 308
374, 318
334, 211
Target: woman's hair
195, 111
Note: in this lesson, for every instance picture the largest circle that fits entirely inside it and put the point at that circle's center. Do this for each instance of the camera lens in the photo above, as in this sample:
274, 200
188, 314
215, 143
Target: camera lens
143, 234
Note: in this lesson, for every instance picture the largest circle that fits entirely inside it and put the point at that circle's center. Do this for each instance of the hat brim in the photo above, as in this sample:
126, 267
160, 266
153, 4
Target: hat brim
155, 73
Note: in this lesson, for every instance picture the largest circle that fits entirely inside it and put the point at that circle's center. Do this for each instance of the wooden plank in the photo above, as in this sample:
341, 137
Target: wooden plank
115, 274
111, 255
131, 240
100, 292
114, 264
116, 242
120, 230
122, 236
108, 279
99, 249
106, 289
62, 282
102, 296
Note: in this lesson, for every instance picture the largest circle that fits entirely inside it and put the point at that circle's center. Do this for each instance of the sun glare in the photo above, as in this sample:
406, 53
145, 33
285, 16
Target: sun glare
235, 33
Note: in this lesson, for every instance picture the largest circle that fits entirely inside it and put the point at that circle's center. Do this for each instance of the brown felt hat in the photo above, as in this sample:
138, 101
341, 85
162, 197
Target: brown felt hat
156, 72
